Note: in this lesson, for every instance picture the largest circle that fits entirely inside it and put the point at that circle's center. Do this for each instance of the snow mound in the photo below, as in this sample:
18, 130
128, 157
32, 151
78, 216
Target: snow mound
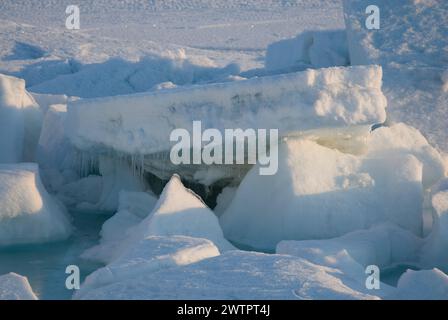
236, 275
15, 287
147, 256
422, 285
179, 211
20, 121
321, 193
142, 123
311, 49
28, 214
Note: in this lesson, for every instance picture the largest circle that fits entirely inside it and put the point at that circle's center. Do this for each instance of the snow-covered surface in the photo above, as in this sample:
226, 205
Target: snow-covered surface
15, 287
149, 255
412, 47
142, 123
237, 275
28, 214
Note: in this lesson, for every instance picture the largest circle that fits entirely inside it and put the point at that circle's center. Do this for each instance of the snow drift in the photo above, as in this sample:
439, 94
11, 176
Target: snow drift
28, 214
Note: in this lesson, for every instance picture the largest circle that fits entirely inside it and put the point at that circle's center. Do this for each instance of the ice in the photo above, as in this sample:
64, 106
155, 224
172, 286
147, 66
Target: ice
311, 49
179, 211
411, 46
20, 121
400, 138
147, 256
422, 285
321, 193
237, 275
118, 76
142, 123
382, 245
15, 287
28, 214
116, 233
435, 250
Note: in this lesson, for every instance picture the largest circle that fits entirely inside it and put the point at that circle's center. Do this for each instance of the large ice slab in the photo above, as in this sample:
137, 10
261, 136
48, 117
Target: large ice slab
15, 287
142, 123
28, 214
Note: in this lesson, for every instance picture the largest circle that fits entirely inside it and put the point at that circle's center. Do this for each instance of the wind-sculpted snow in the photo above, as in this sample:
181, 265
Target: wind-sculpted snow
28, 214
15, 287
142, 123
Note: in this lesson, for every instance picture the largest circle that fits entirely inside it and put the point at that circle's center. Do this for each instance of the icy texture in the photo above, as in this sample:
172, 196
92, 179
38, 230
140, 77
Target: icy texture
383, 246
15, 287
422, 285
312, 49
412, 47
147, 256
116, 232
237, 275
320, 192
180, 211
406, 36
142, 123
28, 214
435, 251
20, 121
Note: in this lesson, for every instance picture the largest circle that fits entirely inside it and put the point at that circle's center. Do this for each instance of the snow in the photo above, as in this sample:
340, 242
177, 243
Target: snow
237, 275
422, 285
28, 214
311, 49
20, 121
94, 110
142, 123
324, 193
411, 46
382, 245
149, 255
435, 253
179, 211
132, 209
15, 287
